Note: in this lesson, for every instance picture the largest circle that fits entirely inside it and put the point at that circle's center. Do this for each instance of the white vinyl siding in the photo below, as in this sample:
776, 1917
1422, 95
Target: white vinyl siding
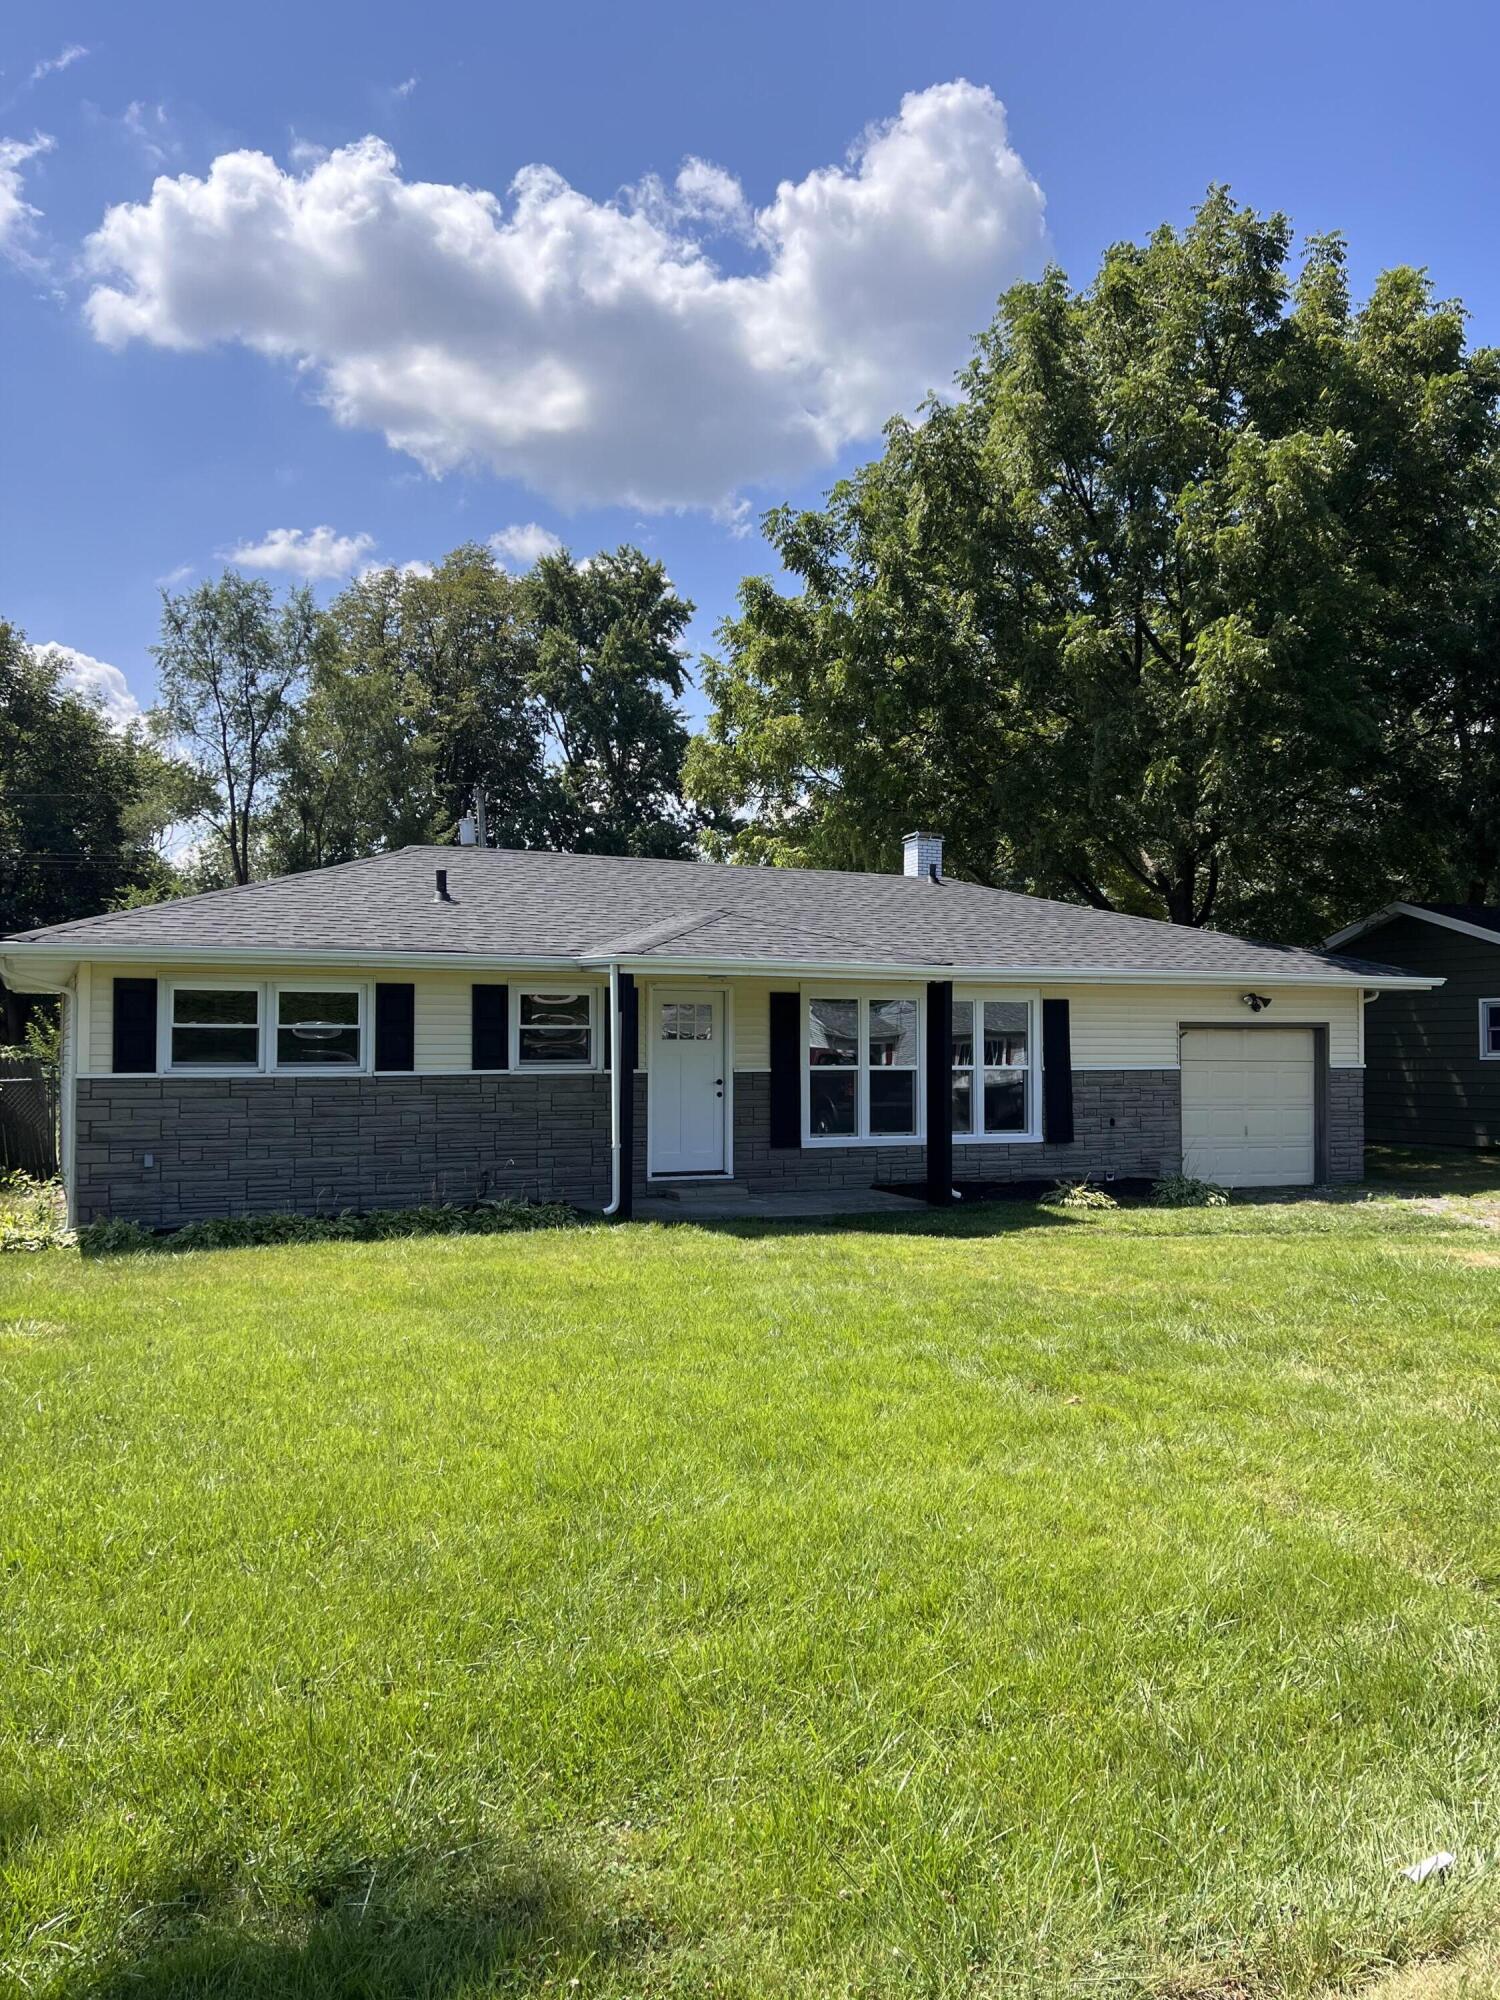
1113, 1027
1136, 1027
442, 1006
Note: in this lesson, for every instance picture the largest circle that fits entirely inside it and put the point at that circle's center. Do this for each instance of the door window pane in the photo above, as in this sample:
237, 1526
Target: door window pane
687, 1021
832, 1103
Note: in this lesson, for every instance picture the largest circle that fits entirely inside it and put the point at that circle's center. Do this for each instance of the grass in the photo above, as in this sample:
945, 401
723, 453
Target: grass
989, 1604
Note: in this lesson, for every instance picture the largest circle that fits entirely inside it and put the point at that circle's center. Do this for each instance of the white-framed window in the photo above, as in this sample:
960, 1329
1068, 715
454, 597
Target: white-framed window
266, 1026
995, 1093
1489, 1030
862, 1080
556, 1027
318, 1025
212, 1025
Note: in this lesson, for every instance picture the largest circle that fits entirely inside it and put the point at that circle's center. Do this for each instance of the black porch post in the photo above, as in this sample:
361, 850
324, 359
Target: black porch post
940, 1092
626, 1044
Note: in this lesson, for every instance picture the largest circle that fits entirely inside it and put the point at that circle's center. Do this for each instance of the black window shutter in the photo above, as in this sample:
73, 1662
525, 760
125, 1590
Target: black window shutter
608, 1024
135, 1027
489, 1046
395, 1025
1057, 1074
786, 1069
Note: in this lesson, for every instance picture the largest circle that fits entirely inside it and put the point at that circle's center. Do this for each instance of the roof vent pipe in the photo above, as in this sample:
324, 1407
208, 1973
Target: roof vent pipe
922, 856
440, 894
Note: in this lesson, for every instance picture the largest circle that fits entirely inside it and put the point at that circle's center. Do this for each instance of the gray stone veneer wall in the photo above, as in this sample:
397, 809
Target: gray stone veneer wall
226, 1146
1126, 1122
1346, 1124
222, 1146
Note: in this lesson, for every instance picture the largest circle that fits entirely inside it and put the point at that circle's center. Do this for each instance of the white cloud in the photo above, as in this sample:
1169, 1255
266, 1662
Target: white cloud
522, 542
174, 576
315, 554
100, 684
594, 350
18, 219
64, 59
405, 89
416, 567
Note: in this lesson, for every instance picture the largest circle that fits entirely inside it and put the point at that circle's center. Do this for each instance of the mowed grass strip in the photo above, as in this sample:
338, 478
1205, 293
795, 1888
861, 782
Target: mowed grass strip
991, 1604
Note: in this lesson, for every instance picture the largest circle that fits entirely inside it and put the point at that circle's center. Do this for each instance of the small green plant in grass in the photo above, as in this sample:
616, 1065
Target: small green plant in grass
1183, 1191
116, 1237
1077, 1194
33, 1214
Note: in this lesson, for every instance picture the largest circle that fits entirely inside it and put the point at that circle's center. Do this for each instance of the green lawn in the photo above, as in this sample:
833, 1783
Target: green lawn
990, 1605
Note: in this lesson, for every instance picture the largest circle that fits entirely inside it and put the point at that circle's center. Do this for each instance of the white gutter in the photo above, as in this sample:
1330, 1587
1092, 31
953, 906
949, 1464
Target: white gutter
616, 1071
1013, 975
18, 950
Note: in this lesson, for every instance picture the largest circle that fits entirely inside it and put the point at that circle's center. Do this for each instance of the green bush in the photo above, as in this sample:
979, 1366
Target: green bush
114, 1238
1077, 1194
1182, 1191
33, 1214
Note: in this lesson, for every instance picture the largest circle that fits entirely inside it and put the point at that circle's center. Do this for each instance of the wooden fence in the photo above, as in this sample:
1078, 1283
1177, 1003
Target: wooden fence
28, 1116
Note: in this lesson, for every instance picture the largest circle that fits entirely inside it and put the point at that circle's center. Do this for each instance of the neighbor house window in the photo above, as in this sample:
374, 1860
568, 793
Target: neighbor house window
215, 1027
1489, 1029
992, 1089
862, 1060
555, 1030
319, 1028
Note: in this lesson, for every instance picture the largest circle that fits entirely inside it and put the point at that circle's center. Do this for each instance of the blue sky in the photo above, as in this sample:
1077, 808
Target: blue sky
699, 301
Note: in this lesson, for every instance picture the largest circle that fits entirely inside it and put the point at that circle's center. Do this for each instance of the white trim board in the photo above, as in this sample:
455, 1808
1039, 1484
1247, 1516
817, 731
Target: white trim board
1392, 910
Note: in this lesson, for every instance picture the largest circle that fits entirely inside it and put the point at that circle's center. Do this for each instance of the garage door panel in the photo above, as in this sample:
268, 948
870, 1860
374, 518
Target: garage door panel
1249, 1106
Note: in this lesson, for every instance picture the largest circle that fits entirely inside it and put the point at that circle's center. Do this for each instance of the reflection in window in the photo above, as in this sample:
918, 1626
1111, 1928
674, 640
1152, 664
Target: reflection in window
215, 1027
833, 1068
990, 1095
687, 1021
317, 1029
891, 1036
555, 1029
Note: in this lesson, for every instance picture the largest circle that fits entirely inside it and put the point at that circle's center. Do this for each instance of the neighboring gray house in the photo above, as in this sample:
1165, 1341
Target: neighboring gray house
446, 1023
1433, 1058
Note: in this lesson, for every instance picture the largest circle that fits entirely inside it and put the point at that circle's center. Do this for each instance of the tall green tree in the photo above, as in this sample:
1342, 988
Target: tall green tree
1184, 605
609, 674
84, 806
420, 701
230, 664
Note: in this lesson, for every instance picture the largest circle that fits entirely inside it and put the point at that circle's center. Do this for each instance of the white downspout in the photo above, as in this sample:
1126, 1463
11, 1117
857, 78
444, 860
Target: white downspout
615, 1073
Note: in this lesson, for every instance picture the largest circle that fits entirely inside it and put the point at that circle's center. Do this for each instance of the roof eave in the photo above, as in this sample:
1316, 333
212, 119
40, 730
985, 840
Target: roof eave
1392, 910
1051, 973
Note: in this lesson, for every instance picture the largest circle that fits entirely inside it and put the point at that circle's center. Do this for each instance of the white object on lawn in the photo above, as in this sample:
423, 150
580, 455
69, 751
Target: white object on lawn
1431, 1864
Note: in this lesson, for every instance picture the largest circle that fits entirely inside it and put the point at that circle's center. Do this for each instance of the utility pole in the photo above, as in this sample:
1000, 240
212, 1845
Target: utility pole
481, 826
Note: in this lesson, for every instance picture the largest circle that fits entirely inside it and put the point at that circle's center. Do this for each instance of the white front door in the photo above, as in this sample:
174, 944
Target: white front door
687, 1077
1249, 1115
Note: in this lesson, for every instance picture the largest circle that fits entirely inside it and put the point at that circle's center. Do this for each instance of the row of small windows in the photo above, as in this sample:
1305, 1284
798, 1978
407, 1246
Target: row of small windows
327, 1027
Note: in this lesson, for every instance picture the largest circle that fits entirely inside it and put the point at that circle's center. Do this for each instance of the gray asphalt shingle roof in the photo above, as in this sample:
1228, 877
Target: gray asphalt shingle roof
509, 904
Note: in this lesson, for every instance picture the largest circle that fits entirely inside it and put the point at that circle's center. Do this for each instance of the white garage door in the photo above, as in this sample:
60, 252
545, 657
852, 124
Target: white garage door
1248, 1111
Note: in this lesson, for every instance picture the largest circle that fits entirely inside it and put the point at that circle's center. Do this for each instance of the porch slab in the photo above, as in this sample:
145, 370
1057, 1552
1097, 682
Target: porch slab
726, 1202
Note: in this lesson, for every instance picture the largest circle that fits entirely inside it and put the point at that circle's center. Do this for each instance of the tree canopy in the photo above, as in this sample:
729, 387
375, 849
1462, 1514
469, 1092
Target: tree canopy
1185, 604
83, 806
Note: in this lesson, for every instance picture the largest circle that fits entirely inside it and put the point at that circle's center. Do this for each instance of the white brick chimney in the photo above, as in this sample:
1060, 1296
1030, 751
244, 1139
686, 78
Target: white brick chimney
923, 855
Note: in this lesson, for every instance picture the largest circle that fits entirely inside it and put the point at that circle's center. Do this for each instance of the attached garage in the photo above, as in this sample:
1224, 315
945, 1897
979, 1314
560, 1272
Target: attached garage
1250, 1106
